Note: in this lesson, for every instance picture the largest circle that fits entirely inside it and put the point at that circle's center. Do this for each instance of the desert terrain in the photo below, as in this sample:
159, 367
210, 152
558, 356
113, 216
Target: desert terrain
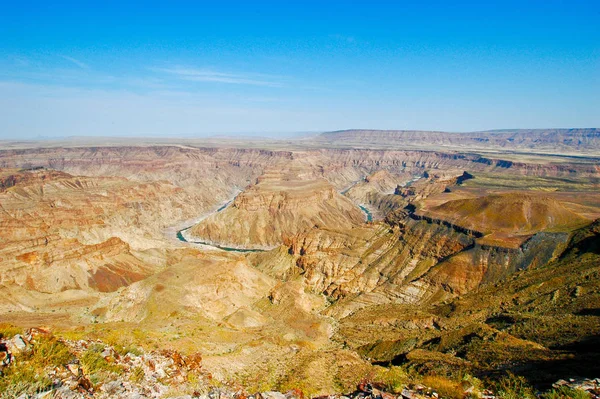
317, 263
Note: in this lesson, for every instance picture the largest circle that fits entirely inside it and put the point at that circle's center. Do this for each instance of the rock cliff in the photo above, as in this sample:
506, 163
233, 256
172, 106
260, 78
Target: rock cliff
550, 140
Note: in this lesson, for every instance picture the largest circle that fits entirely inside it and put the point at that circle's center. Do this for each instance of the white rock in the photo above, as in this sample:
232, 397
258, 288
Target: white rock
18, 343
113, 387
44, 395
73, 368
273, 395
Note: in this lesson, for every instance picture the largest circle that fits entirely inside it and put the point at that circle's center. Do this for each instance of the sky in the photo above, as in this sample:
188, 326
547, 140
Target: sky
282, 68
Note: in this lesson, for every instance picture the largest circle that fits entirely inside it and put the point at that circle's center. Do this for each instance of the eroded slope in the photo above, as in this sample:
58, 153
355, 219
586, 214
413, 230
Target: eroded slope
279, 205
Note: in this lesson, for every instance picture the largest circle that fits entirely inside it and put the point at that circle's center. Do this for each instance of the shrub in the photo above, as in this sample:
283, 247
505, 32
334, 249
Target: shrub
96, 366
49, 351
444, 386
513, 387
123, 350
566, 393
393, 379
29, 373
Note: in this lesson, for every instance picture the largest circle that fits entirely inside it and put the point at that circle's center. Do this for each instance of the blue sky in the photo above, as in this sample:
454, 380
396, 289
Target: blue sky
277, 68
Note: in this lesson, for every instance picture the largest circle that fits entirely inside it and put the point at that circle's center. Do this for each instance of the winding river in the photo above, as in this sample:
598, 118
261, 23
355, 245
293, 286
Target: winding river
181, 237
367, 213
181, 233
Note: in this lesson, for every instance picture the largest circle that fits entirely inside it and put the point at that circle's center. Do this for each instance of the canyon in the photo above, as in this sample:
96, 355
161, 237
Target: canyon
314, 264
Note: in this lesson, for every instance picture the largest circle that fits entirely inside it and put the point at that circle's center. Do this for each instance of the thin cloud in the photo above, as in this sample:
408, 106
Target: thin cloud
206, 75
21, 61
75, 61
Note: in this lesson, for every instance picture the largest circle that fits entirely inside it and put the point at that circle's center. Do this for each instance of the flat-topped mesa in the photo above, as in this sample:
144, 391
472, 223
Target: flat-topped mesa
278, 206
557, 140
455, 176
510, 213
284, 196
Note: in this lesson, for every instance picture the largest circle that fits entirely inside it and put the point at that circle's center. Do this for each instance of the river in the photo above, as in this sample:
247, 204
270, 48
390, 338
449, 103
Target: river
181, 236
368, 214
181, 233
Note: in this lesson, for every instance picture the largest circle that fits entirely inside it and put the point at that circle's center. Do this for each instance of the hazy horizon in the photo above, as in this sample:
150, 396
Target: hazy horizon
251, 136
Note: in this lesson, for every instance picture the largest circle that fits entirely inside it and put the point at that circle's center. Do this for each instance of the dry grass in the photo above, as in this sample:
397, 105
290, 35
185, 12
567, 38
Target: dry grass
446, 387
513, 387
8, 330
29, 374
394, 379
96, 366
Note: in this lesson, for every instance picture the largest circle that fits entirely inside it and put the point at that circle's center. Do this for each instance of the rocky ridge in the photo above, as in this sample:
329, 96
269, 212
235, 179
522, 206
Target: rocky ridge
87, 369
65, 238
377, 192
280, 204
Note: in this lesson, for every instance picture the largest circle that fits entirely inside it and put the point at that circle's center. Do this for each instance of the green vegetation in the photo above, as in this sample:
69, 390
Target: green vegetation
8, 330
123, 350
96, 366
510, 386
445, 387
137, 375
566, 393
30, 375
393, 379
513, 387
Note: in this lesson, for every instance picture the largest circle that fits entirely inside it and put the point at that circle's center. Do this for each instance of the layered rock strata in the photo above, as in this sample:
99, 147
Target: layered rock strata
279, 205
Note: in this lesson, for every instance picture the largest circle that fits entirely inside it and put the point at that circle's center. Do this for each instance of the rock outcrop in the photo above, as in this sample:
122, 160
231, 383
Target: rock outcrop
377, 192
279, 205
64, 238
419, 259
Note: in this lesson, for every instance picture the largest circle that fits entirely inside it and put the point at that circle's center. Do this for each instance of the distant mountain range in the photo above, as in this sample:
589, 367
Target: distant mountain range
585, 140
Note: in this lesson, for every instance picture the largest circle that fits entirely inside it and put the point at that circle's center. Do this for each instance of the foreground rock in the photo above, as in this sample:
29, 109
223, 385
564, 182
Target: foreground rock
591, 386
93, 369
